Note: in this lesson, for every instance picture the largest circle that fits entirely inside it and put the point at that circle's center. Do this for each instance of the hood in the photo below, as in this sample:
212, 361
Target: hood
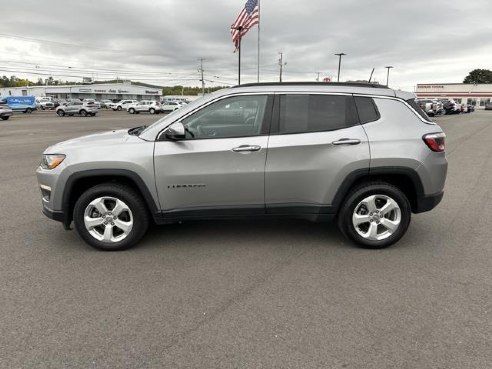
98, 139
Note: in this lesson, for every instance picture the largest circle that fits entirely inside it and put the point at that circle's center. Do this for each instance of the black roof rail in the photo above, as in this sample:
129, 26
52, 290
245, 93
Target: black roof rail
334, 84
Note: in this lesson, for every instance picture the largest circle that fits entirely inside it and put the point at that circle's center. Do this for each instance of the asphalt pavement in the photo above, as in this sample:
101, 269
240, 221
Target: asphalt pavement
245, 294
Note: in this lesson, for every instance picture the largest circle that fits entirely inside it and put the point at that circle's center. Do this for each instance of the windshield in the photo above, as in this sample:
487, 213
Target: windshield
196, 103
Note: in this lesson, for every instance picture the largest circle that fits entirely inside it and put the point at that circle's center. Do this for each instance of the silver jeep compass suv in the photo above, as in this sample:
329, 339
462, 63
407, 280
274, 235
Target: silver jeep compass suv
363, 154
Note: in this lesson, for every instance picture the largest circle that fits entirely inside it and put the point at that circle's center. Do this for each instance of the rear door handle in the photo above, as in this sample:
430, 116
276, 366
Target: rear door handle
347, 141
247, 148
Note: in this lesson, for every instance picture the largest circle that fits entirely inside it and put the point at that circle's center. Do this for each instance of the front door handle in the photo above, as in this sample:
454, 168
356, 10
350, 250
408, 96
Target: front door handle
347, 141
247, 148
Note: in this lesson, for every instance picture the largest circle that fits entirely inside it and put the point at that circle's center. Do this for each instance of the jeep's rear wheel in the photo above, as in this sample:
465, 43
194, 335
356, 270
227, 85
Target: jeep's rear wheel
111, 217
375, 215
60, 113
83, 113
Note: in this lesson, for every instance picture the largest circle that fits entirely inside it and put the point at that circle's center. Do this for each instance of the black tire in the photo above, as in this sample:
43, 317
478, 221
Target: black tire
60, 113
5, 118
28, 110
119, 108
152, 111
358, 194
131, 111
83, 113
126, 194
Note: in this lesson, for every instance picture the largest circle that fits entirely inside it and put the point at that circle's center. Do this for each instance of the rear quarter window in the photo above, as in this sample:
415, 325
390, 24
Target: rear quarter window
367, 110
413, 103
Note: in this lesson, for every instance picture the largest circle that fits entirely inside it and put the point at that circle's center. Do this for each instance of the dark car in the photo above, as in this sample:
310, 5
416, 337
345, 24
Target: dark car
488, 106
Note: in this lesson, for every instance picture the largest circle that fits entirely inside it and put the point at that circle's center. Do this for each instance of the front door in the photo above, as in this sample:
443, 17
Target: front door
220, 166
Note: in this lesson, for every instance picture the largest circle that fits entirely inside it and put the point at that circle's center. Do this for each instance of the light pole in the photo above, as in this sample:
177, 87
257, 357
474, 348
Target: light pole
388, 76
339, 64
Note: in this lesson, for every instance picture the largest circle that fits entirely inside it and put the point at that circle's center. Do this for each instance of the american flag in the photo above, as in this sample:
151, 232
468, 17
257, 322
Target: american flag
249, 17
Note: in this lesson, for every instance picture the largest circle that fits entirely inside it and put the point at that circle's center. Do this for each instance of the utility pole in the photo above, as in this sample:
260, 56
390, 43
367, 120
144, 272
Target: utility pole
281, 65
388, 76
317, 78
201, 70
339, 64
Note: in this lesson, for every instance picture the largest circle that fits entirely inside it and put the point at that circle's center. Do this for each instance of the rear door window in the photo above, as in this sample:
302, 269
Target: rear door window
315, 113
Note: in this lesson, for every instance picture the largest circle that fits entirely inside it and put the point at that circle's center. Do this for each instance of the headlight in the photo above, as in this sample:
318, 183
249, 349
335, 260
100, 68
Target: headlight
51, 161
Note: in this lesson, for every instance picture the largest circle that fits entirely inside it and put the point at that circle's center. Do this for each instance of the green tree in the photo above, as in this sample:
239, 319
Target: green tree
478, 76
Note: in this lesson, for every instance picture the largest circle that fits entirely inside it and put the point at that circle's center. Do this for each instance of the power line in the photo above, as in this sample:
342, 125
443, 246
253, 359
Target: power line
32, 39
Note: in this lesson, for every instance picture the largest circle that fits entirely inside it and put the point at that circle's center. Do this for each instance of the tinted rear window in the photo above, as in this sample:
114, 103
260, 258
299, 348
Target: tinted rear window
315, 113
418, 109
368, 112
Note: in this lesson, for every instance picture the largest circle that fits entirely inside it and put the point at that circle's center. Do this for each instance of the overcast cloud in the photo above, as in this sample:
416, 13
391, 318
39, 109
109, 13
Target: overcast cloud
160, 41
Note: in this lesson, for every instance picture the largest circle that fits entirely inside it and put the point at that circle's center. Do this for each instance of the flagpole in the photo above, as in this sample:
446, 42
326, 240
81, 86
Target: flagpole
239, 56
259, 33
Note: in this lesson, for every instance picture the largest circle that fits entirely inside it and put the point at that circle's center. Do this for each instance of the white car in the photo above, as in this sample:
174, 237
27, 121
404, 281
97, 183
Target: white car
106, 104
93, 102
171, 106
123, 104
44, 103
147, 106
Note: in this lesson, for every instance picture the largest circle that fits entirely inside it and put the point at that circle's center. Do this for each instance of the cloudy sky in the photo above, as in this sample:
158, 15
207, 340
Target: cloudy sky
160, 41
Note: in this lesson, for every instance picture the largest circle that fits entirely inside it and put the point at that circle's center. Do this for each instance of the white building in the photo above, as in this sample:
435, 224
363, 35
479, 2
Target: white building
477, 95
95, 91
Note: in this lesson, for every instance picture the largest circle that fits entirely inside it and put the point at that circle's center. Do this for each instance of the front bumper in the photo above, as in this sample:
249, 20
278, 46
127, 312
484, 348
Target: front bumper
54, 215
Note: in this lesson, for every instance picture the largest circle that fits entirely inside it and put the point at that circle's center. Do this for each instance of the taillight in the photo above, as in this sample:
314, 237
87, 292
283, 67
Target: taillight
435, 141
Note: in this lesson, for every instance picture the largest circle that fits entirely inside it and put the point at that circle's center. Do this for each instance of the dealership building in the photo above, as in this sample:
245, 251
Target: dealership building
477, 95
94, 91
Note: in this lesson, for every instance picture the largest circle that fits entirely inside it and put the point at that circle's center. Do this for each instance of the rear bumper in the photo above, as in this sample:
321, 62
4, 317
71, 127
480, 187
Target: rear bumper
428, 203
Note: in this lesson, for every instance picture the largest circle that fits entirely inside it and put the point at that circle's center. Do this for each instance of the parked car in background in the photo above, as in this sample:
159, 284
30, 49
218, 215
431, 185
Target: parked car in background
431, 107
169, 106
488, 106
5, 112
24, 104
106, 104
92, 101
77, 108
45, 103
451, 107
147, 106
123, 104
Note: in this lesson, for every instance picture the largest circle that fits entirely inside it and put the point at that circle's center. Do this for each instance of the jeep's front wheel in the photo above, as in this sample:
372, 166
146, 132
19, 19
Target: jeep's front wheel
111, 217
375, 215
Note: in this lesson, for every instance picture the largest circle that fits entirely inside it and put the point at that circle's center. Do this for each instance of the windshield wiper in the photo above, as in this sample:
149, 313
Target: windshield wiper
136, 131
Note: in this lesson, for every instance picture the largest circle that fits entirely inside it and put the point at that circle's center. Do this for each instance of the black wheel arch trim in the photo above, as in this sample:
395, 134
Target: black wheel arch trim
420, 201
124, 173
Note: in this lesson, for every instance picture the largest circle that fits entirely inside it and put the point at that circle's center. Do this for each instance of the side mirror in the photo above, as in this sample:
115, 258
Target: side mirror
175, 132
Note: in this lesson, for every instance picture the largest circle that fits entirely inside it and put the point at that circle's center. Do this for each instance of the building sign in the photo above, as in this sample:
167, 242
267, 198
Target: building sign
430, 86
151, 92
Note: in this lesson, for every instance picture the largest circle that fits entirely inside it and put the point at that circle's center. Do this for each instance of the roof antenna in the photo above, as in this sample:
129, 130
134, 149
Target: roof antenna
371, 75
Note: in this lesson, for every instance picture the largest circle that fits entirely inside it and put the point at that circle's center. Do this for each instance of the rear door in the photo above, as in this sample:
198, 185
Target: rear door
316, 142
220, 166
